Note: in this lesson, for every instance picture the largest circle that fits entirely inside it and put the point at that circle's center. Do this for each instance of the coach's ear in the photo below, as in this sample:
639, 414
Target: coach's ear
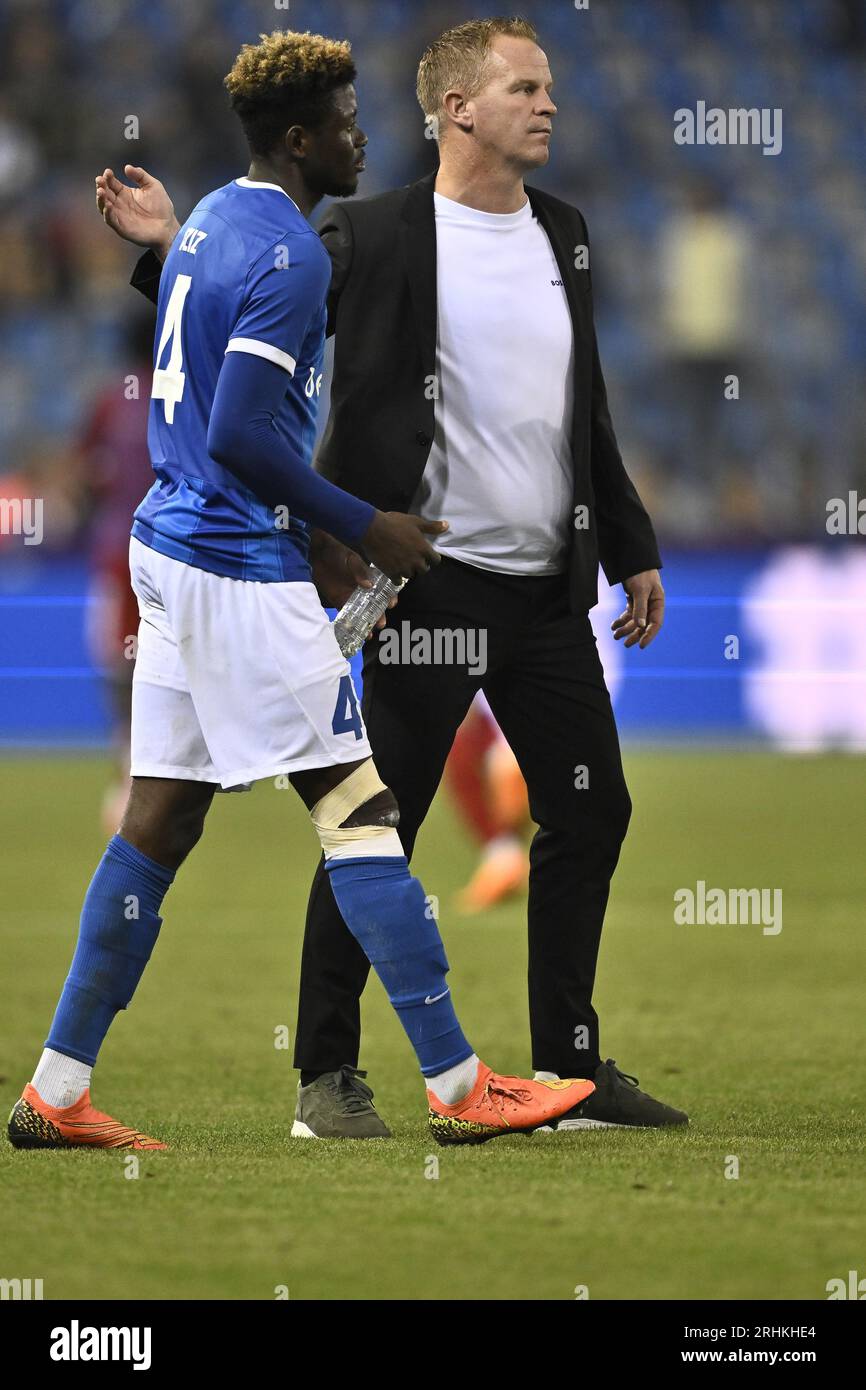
458, 109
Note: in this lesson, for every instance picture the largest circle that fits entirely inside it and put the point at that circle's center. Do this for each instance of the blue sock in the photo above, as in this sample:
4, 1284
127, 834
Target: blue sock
119, 925
385, 909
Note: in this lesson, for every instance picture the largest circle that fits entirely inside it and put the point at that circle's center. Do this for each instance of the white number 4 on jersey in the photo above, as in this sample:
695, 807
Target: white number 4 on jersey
169, 381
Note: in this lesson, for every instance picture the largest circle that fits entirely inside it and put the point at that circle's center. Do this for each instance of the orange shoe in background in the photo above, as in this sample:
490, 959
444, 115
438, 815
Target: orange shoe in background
503, 871
502, 1105
33, 1124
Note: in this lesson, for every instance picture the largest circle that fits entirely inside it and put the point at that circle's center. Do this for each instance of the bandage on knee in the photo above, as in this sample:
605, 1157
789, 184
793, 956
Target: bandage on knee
354, 841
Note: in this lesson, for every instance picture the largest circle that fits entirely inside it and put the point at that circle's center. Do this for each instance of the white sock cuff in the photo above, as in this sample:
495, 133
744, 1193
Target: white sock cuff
60, 1080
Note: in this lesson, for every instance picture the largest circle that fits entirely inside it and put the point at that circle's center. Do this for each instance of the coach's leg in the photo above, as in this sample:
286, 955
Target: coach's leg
119, 926
555, 711
334, 972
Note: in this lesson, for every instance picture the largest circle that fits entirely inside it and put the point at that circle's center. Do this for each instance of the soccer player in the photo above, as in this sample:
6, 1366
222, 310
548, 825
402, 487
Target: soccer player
239, 676
487, 785
117, 471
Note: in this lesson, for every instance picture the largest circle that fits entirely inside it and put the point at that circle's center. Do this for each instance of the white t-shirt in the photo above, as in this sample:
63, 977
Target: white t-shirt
500, 467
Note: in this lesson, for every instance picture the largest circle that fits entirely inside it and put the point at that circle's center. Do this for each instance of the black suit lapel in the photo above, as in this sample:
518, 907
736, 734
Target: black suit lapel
418, 242
564, 252
579, 304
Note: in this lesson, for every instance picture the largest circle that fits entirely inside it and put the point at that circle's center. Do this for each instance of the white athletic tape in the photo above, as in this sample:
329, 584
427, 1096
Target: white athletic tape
361, 842
354, 841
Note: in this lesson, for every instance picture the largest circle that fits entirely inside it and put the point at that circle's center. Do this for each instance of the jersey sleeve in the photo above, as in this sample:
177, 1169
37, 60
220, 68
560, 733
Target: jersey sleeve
284, 290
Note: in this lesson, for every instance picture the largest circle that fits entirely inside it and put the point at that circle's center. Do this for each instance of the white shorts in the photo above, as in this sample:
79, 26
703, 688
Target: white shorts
235, 680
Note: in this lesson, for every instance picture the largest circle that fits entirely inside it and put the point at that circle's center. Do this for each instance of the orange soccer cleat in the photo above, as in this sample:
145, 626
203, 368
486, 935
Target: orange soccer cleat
503, 871
33, 1124
502, 1105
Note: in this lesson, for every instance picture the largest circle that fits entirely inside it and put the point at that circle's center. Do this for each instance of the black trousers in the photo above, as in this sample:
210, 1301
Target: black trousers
545, 686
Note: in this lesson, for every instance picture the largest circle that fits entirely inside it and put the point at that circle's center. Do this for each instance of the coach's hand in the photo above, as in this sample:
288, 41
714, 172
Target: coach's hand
143, 214
641, 620
397, 544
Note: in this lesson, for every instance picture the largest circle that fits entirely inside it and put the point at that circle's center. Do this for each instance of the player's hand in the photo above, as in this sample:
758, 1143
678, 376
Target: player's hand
143, 213
645, 612
338, 571
398, 544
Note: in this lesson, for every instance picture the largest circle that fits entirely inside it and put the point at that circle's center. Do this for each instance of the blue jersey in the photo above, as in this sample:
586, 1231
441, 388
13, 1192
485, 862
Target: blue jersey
246, 273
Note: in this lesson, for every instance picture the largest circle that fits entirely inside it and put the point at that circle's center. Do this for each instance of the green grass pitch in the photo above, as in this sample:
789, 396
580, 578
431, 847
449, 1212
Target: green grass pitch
761, 1038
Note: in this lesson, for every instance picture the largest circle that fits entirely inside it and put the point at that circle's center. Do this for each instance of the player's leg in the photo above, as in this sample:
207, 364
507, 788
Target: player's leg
355, 816
120, 922
386, 909
410, 713
172, 788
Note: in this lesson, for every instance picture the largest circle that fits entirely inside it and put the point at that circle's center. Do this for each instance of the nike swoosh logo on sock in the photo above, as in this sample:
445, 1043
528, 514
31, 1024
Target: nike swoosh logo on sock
428, 1000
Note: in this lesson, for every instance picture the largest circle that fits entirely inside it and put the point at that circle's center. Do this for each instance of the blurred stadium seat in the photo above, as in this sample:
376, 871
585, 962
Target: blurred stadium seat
74, 70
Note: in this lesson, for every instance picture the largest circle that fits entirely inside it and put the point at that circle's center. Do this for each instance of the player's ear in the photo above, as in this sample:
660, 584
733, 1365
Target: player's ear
296, 141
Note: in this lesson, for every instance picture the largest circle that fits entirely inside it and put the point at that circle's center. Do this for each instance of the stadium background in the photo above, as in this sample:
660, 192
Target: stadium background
738, 491
729, 484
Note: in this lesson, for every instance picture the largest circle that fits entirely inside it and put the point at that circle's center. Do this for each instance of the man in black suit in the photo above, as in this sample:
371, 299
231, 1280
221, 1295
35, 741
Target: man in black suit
467, 385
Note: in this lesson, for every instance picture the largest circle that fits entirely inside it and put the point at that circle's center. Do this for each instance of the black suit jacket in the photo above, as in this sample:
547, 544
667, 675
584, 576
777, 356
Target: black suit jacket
380, 428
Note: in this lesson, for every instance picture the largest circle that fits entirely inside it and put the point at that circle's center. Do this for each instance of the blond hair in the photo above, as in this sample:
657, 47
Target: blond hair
286, 79
461, 58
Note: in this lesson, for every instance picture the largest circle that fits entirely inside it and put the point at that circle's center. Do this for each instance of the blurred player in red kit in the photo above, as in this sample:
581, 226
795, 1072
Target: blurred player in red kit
117, 474
485, 781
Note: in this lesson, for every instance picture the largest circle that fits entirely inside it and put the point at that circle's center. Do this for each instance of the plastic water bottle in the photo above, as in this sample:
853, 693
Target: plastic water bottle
362, 610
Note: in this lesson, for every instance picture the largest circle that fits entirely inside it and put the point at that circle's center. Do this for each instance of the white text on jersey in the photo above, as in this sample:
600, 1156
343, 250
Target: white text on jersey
192, 238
